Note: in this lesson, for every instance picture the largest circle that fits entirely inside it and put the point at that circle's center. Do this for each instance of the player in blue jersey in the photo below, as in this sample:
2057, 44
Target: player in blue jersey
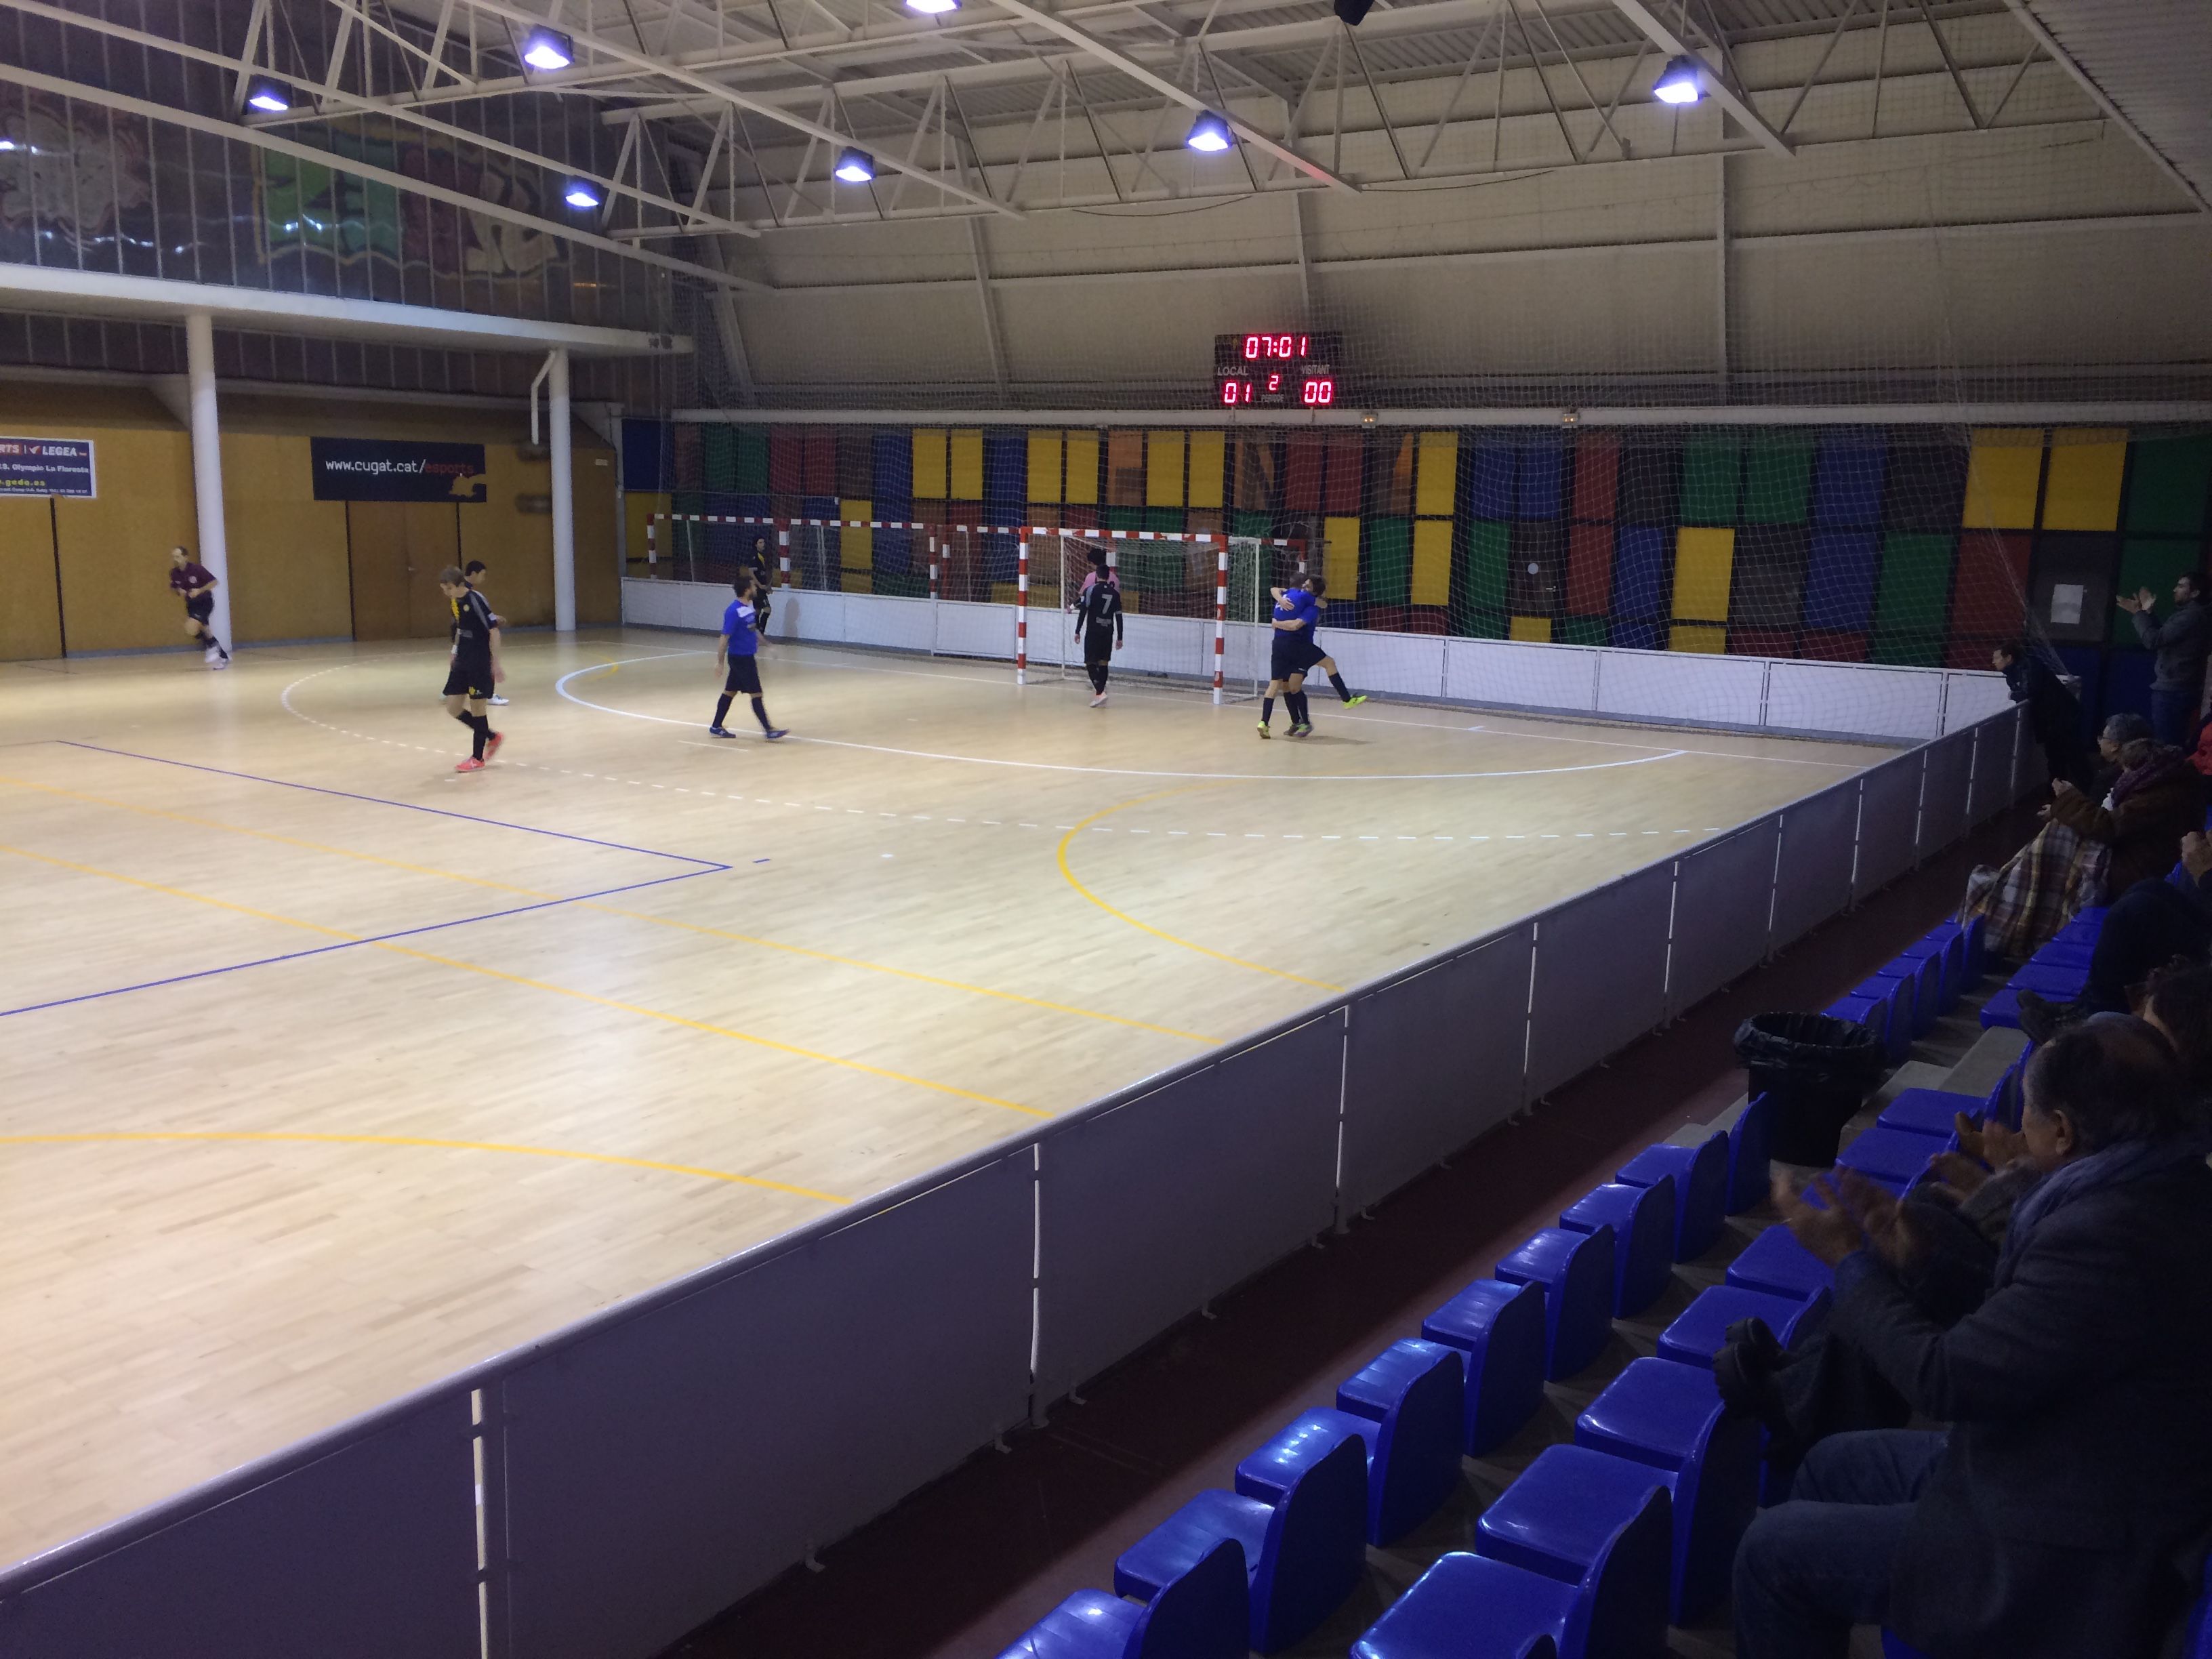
739, 651
1298, 614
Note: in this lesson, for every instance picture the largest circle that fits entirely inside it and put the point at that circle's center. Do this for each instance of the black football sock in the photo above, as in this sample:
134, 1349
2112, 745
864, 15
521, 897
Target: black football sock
215, 645
1267, 710
480, 725
1342, 690
722, 710
760, 713
1105, 673
467, 719
1299, 712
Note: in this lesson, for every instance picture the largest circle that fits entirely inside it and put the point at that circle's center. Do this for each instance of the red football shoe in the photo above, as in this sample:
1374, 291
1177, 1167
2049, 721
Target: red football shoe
492, 744
471, 764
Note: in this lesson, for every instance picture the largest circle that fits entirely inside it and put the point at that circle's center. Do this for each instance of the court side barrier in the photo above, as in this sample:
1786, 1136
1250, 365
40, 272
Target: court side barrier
1779, 695
602, 1489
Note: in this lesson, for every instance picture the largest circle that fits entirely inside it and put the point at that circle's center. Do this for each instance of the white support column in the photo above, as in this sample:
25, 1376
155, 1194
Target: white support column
1721, 270
564, 498
214, 550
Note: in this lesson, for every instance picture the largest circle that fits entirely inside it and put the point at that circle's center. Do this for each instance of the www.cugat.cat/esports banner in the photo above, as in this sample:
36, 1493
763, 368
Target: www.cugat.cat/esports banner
388, 470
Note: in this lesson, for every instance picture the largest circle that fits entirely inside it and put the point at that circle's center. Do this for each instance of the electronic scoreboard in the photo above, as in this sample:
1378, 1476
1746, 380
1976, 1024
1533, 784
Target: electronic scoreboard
1277, 370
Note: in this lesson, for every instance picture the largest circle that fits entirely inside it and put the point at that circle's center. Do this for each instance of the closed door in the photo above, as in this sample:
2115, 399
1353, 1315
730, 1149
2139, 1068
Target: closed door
395, 550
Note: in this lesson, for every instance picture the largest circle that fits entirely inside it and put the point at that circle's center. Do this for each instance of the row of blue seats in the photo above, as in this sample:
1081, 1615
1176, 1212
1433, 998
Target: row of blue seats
1903, 1000
2059, 971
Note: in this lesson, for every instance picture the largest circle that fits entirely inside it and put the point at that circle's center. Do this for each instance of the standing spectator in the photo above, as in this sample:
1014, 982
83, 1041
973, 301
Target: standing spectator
2054, 713
2182, 641
2047, 1523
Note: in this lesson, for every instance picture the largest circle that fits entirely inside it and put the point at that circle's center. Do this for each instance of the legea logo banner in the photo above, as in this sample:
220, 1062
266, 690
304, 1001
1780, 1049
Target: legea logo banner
384, 470
46, 466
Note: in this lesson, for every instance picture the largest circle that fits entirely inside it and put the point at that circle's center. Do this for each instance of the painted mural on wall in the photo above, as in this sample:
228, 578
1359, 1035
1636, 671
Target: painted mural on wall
81, 186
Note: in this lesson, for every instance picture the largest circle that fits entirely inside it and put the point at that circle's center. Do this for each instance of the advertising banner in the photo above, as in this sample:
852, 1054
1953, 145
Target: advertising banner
46, 466
397, 469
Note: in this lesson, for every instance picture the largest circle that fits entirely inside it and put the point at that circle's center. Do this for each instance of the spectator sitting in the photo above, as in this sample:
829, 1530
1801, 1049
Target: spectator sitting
2046, 1521
2150, 924
2086, 849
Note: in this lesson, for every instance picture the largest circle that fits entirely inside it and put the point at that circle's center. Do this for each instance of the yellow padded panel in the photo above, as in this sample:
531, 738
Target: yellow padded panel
856, 581
964, 469
1712, 640
929, 474
856, 549
1703, 560
1044, 465
1436, 477
1339, 556
1537, 629
1209, 455
2083, 489
1082, 468
1432, 545
2001, 475
1163, 453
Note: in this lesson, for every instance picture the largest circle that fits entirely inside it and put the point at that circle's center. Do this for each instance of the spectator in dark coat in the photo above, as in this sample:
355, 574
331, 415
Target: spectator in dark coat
2054, 713
2152, 924
2158, 799
2182, 641
2045, 1523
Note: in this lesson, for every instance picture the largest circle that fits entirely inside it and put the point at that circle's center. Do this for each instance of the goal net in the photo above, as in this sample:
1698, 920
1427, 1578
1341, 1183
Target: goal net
1194, 609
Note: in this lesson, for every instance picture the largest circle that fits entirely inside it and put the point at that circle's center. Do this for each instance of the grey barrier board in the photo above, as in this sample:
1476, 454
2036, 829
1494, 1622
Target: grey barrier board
1724, 895
1434, 1060
1601, 979
367, 1552
661, 1467
1990, 784
1813, 881
1889, 811
1943, 800
1146, 1211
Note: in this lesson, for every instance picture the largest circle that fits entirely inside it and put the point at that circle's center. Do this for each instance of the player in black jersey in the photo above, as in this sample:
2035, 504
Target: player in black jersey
474, 667
1098, 624
475, 573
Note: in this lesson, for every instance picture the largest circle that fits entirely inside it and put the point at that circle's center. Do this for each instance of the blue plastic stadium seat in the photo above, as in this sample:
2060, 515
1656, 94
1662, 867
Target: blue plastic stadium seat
1671, 1417
1498, 1329
1643, 1222
1203, 1615
1404, 1406
1560, 1518
1963, 962
2064, 953
1873, 1012
1701, 1184
1750, 1169
1923, 975
2055, 982
1935, 1111
2085, 927
1575, 1270
1894, 1646
1947, 982
1465, 1608
1896, 1025
1776, 1263
2197, 1642
1304, 1554
2002, 1009
1892, 1157
1978, 954
1695, 1337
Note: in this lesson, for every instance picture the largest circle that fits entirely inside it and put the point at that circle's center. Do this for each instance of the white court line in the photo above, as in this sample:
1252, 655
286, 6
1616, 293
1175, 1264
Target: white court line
561, 687
1607, 742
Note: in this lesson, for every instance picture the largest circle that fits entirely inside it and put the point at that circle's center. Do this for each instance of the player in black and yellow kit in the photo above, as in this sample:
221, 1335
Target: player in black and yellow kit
475, 667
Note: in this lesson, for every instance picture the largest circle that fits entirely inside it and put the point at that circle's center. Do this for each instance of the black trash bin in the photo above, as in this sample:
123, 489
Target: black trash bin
1815, 1070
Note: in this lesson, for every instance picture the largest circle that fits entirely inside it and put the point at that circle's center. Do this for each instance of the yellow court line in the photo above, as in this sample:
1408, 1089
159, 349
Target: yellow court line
537, 984
116, 1135
614, 910
1068, 874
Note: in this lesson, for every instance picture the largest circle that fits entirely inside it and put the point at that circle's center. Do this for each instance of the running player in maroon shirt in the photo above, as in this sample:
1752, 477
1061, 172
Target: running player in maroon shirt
194, 583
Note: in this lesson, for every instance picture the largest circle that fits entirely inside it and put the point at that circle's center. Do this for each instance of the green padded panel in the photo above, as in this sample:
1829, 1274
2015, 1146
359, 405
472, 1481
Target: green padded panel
752, 460
717, 458
1578, 630
1916, 587
1712, 466
2167, 478
1386, 560
1906, 648
1777, 479
1479, 584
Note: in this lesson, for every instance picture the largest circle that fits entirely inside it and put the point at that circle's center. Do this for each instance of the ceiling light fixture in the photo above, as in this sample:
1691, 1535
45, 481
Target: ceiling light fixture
933, 7
1678, 83
1209, 133
855, 167
581, 194
268, 97
547, 49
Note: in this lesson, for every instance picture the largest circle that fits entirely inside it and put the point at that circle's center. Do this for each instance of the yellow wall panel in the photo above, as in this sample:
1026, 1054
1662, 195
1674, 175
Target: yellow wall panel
1537, 629
1437, 475
30, 600
1703, 559
115, 549
929, 471
964, 465
599, 576
1163, 453
856, 581
1695, 636
1339, 556
289, 574
1082, 468
1209, 454
2083, 489
512, 532
1044, 465
1432, 545
2001, 475
856, 549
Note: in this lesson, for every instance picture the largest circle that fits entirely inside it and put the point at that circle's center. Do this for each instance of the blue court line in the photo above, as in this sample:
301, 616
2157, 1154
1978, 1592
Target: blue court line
407, 805
355, 943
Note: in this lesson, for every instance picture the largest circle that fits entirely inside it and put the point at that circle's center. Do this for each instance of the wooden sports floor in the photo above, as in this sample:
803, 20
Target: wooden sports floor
328, 1070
